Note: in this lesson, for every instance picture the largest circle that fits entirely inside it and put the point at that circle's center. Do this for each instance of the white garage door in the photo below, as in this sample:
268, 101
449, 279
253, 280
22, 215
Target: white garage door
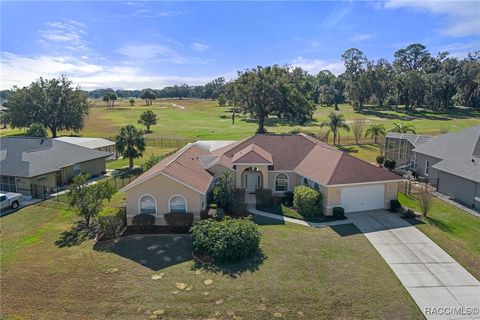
363, 198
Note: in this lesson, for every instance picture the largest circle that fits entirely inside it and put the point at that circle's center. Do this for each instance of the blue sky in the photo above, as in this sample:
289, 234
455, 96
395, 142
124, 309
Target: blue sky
153, 44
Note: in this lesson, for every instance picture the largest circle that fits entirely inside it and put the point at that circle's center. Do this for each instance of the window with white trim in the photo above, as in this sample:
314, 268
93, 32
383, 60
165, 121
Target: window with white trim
148, 205
427, 167
178, 204
281, 182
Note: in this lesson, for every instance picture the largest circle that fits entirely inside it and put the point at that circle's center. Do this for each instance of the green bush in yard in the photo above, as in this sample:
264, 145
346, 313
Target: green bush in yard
111, 222
307, 201
226, 240
338, 212
264, 197
144, 222
287, 199
389, 164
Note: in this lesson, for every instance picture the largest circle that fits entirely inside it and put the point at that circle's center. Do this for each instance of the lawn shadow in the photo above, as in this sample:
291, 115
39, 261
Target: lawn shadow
355, 148
78, 234
346, 230
266, 221
155, 252
234, 270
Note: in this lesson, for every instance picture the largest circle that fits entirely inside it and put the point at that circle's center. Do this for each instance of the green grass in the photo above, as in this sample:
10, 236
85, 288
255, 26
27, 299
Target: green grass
204, 119
50, 272
285, 211
149, 151
456, 231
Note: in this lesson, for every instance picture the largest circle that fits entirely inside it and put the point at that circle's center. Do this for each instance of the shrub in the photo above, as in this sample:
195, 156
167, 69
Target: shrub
389, 164
37, 130
179, 219
287, 199
223, 192
307, 201
144, 222
111, 222
338, 213
237, 206
226, 240
395, 205
264, 197
380, 159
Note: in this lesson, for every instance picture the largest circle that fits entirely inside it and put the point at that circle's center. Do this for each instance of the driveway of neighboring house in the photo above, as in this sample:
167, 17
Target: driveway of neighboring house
440, 286
23, 203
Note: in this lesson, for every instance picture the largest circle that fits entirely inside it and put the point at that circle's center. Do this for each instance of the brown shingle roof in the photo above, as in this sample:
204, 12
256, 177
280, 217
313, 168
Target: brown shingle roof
329, 166
252, 154
183, 166
287, 150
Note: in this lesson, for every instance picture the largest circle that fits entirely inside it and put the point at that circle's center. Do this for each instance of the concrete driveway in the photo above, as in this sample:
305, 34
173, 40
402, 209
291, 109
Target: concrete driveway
440, 286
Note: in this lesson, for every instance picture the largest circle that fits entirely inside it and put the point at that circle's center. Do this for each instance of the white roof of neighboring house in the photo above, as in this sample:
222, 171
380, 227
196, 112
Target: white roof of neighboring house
211, 145
91, 143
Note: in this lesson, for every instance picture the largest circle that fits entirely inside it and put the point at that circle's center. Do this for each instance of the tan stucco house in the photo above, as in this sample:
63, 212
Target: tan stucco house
279, 162
35, 166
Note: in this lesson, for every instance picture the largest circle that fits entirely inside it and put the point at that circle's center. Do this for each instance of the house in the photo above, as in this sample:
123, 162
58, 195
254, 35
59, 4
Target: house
279, 162
399, 146
34, 166
451, 162
99, 144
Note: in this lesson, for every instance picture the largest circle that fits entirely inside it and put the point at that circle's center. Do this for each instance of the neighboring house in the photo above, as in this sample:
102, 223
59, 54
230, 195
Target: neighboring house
34, 166
180, 183
451, 162
399, 146
99, 144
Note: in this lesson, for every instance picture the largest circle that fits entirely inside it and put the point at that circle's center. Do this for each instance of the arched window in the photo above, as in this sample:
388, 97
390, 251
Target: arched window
281, 182
316, 186
305, 182
147, 205
177, 203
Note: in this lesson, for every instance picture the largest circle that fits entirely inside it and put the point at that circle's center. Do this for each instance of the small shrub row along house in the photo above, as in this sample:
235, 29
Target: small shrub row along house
34, 166
279, 162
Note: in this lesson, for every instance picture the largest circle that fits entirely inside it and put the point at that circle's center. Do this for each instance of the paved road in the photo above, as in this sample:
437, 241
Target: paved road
440, 286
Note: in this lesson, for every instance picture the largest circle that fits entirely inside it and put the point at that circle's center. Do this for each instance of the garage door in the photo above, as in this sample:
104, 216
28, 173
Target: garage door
363, 198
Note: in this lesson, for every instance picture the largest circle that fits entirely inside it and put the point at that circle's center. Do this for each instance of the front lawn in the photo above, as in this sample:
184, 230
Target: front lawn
456, 231
49, 271
285, 211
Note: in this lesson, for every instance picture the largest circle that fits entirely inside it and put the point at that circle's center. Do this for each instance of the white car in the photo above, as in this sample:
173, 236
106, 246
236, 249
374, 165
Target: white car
10, 200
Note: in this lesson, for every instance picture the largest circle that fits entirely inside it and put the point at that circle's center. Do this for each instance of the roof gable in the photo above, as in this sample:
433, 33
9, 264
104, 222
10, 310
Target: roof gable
252, 154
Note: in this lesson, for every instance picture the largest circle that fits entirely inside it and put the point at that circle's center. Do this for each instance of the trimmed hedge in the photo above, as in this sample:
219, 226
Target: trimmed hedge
111, 222
307, 201
287, 199
264, 197
144, 222
226, 240
237, 206
177, 219
338, 212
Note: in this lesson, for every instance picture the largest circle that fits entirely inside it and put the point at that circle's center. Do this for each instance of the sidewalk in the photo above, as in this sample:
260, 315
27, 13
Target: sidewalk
297, 221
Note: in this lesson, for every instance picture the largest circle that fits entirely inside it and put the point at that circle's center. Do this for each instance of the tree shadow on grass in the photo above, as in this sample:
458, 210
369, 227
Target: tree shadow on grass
234, 270
155, 252
440, 225
355, 148
76, 235
276, 122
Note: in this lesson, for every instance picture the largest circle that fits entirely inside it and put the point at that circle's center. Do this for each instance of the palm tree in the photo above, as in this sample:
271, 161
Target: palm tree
401, 127
374, 131
130, 143
106, 98
335, 122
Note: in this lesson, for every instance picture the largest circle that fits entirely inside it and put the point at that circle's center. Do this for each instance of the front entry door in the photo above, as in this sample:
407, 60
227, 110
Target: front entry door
251, 181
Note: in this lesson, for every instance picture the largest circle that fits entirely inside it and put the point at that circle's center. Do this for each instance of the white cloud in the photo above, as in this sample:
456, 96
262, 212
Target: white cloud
64, 32
314, 66
200, 47
462, 18
362, 37
21, 71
